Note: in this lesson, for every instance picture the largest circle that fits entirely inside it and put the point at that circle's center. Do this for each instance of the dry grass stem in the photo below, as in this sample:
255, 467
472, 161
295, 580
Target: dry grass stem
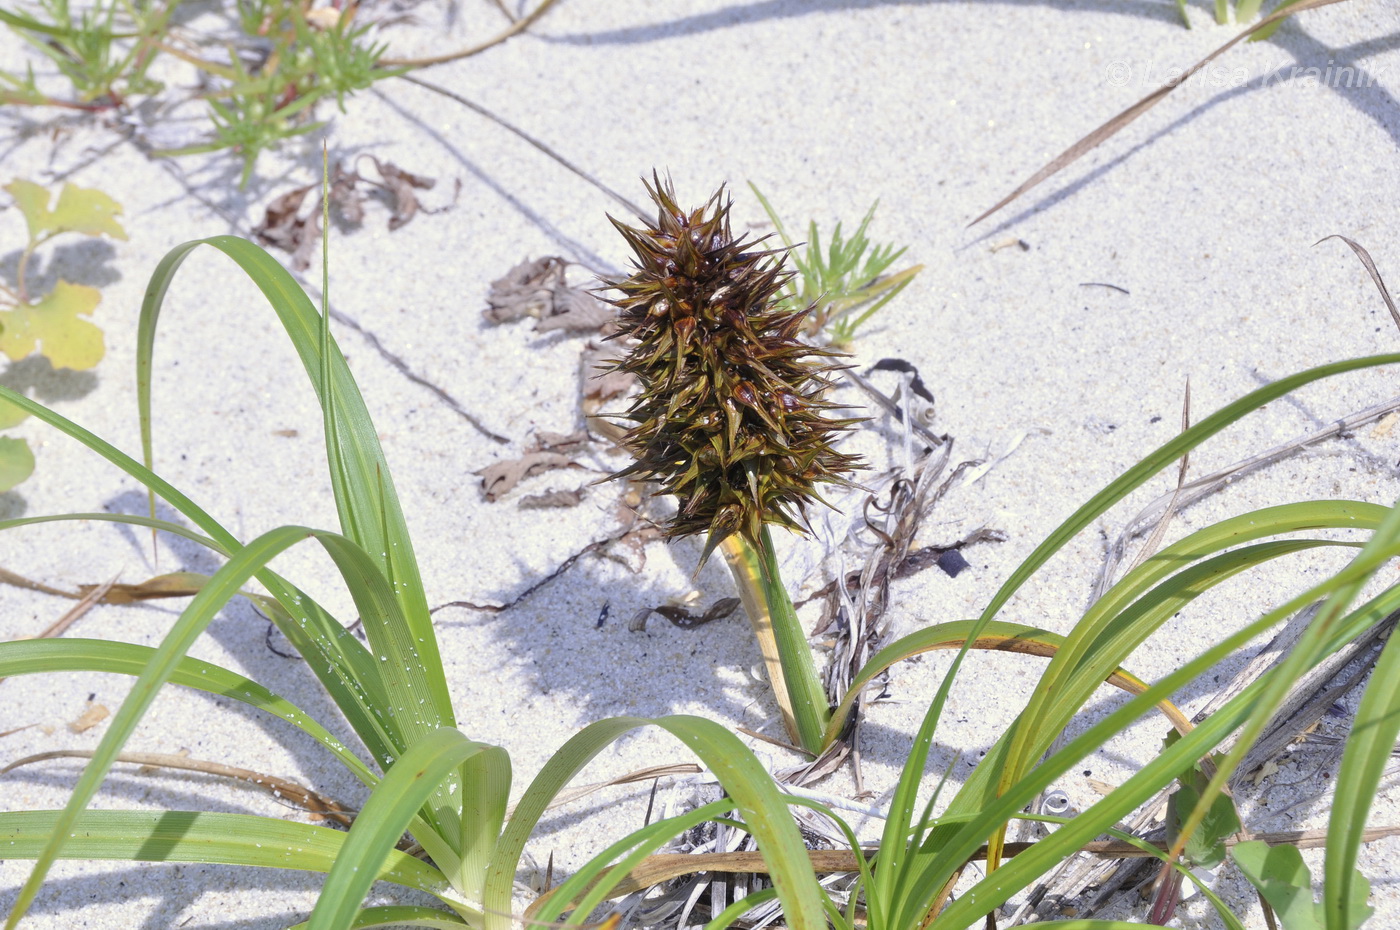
1106, 131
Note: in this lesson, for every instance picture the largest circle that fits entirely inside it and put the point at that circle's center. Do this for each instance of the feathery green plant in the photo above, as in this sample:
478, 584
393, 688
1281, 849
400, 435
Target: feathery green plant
426, 777
105, 54
843, 286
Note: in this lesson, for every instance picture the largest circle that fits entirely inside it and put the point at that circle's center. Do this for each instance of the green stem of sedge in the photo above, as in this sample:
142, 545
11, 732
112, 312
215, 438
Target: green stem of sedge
781, 640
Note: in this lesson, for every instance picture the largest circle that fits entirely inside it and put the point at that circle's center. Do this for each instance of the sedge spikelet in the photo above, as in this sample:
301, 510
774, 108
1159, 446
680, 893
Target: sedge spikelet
730, 417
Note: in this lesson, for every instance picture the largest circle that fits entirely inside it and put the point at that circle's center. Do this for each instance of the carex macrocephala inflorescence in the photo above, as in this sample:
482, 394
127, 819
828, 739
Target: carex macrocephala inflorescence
730, 416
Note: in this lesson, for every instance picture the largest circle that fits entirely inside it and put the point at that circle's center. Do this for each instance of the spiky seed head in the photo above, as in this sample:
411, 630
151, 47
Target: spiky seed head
730, 417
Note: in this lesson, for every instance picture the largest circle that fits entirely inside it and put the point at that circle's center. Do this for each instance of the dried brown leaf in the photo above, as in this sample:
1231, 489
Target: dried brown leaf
400, 185
95, 714
545, 441
175, 584
525, 290
348, 198
573, 309
285, 228
552, 499
500, 477
318, 805
683, 617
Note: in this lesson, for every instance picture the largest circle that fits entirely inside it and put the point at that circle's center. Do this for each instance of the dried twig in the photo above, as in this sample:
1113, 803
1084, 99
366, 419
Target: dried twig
318, 805
516, 27
1194, 491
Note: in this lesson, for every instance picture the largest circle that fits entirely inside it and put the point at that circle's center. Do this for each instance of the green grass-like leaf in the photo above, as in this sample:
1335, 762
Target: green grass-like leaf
43, 656
755, 796
392, 805
200, 836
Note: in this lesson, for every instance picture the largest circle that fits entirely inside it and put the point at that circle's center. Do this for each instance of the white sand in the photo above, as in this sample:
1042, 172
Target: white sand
1206, 211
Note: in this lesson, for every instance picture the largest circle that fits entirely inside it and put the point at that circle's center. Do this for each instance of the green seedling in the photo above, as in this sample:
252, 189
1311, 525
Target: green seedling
107, 50
257, 110
1245, 12
54, 324
104, 52
845, 284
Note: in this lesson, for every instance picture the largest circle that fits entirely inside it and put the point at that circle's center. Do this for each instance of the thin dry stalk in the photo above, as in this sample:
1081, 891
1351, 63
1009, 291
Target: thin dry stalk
1194, 491
516, 27
318, 805
1117, 123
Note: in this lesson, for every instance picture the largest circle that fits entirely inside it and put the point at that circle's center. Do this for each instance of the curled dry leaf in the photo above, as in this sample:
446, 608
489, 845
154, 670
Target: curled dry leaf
684, 618
95, 714
545, 441
400, 184
283, 226
576, 310
525, 290
497, 479
537, 288
552, 499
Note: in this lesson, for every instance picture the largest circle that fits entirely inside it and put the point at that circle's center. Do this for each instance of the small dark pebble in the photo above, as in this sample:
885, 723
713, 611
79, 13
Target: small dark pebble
952, 562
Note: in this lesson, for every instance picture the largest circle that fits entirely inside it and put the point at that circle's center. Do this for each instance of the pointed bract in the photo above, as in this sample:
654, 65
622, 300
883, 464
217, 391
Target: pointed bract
729, 418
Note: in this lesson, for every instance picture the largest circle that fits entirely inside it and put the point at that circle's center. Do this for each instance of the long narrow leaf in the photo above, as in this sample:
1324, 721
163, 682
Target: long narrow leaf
986, 784
742, 776
405, 788
1368, 752
34, 656
1000, 884
365, 496
224, 585
337, 659
201, 836
1384, 542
